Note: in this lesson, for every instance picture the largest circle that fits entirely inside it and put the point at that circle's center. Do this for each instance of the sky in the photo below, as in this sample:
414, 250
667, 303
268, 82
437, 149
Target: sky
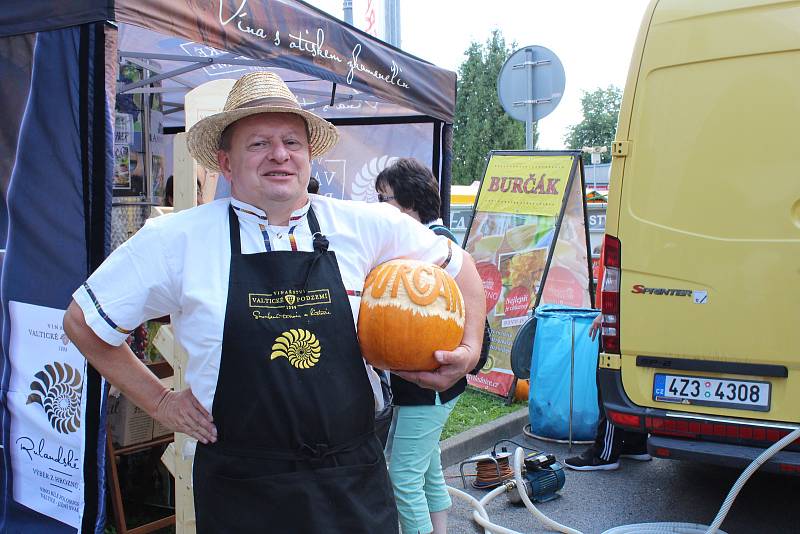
593, 39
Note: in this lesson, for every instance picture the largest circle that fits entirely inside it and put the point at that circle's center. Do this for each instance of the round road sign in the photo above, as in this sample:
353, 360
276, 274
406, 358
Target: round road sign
532, 77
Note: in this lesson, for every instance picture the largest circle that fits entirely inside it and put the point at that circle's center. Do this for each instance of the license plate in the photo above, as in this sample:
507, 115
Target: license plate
703, 391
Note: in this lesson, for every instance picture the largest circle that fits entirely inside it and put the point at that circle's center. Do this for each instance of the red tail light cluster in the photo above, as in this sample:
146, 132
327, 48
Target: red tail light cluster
689, 428
627, 420
612, 254
724, 431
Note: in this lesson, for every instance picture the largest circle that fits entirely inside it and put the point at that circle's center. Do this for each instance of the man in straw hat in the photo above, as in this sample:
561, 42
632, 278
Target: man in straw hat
263, 291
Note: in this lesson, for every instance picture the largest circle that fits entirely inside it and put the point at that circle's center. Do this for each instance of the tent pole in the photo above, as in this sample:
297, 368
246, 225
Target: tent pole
445, 176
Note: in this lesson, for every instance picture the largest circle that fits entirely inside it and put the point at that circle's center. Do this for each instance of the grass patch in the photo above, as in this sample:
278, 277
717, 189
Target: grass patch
474, 408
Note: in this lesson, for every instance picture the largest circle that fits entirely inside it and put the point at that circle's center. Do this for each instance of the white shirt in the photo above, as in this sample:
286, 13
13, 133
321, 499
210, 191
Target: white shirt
178, 265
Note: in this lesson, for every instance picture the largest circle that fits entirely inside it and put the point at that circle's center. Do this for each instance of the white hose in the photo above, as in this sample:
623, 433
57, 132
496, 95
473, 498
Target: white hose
747, 473
485, 502
642, 528
499, 490
482, 518
549, 523
479, 514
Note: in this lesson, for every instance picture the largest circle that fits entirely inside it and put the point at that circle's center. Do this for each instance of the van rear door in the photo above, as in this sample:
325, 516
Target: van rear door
709, 211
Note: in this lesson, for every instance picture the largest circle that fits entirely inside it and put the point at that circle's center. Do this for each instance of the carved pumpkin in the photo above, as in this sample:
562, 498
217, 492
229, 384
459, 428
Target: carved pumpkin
409, 309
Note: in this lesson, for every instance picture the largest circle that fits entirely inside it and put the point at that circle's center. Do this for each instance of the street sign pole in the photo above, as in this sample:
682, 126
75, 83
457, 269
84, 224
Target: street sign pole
529, 122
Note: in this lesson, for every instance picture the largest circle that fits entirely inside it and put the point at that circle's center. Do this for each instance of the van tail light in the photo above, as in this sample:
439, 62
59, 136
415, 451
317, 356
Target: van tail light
625, 420
717, 431
612, 255
661, 452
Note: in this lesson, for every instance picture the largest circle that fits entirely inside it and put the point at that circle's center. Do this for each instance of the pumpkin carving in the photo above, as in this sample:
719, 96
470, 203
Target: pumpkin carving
409, 309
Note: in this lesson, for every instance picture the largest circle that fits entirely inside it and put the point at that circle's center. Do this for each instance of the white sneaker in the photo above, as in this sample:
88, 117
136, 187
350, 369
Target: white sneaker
642, 457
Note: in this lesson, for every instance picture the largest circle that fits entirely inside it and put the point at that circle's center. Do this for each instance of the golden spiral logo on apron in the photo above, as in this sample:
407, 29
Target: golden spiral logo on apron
299, 346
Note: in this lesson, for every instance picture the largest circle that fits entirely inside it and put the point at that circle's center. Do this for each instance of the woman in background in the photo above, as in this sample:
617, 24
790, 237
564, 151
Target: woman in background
420, 414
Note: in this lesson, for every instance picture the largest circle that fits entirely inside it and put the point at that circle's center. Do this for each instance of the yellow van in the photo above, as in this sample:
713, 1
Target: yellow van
701, 293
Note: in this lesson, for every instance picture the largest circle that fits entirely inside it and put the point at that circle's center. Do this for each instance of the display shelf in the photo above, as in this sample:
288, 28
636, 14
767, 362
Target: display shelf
161, 370
116, 494
130, 449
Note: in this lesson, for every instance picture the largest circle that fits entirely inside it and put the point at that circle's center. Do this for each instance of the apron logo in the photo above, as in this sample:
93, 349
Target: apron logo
58, 390
289, 299
299, 346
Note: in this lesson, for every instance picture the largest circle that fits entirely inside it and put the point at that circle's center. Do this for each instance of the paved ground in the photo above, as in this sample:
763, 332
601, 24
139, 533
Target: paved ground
660, 490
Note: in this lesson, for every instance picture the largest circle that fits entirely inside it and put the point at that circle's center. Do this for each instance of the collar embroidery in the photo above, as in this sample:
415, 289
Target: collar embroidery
246, 211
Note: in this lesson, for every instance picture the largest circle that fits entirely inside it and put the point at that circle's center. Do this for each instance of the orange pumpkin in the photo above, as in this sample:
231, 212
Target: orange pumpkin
409, 309
521, 391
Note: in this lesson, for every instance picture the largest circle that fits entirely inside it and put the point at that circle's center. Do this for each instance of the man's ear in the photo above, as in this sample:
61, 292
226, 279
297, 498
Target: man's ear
224, 162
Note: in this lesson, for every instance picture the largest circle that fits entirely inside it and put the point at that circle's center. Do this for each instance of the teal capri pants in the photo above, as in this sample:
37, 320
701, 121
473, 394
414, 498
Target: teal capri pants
415, 465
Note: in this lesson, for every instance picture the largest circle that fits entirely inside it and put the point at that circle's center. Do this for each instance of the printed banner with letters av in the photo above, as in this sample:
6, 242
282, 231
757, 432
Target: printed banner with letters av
522, 230
46, 401
349, 170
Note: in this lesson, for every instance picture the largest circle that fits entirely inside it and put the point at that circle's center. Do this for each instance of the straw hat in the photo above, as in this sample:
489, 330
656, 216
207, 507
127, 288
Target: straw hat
256, 92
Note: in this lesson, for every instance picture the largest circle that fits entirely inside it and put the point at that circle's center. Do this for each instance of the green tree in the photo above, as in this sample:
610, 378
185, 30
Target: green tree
599, 124
480, 123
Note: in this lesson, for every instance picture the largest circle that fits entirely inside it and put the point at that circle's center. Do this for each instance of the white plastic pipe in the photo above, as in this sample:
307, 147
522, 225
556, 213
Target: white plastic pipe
479, 514
746, 474
546, 521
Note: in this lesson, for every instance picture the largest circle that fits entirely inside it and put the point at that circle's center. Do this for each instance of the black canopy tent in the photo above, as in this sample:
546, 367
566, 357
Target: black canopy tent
323, 61
59, 67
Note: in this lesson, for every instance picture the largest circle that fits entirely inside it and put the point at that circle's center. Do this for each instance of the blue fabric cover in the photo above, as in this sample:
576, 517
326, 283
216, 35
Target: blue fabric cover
549, 397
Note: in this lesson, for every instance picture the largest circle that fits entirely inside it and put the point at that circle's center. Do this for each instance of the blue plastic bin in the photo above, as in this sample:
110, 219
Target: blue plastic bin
549, 397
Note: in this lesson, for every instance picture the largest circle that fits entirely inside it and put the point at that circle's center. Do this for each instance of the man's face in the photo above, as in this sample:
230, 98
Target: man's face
269, 160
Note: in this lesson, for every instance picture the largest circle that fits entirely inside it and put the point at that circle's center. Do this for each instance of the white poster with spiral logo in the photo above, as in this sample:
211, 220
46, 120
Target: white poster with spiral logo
46, 398
349, 170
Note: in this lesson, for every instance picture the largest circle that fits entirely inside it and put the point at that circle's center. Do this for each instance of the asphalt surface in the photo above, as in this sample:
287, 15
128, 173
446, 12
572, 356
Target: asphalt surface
638, 492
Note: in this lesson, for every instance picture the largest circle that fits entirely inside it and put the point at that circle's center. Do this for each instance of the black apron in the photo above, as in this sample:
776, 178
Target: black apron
296, 449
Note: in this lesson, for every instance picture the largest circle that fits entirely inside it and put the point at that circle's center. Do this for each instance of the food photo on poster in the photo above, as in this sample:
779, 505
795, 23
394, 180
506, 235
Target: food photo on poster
568, 277
511, 265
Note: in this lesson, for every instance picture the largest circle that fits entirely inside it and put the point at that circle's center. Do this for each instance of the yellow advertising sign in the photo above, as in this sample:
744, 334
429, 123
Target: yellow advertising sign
525, 185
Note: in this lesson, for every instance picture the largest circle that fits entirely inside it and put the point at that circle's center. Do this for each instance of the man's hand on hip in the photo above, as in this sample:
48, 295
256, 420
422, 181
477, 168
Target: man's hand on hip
454, 365
182, 412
